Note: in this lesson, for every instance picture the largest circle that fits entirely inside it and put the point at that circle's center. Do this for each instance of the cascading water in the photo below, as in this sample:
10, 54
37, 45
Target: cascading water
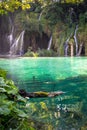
80, 49
75, 39
10, 37
16, 43
50, 43
21, 51
66, 46
17, 47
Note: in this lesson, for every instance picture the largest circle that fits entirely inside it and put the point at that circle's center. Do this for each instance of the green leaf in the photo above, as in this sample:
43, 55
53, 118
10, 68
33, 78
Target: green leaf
31, 128
2, 90
19, 98
12, 91
20, 113
4, 110
9, 82
2, 97
2, 82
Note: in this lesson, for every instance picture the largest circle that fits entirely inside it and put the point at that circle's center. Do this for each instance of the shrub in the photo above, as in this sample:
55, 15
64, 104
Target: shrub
41, 53
46, 53
12, 115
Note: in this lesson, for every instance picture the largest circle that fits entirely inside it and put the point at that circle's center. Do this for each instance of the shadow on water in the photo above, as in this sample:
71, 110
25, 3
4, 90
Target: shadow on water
40, 83
66, 112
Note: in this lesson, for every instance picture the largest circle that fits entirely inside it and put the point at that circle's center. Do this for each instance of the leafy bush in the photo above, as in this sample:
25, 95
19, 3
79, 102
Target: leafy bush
28, 54
31, 54
12, 115
41, 53
46, 53
15, 111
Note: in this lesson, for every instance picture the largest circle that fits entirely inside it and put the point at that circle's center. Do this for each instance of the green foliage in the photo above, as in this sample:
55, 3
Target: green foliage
3, 73
82, 32
41, 53
74, 1
53, 14
83, 18
14, 109
55, 18
29, 54
47, 53
12, 115
12, 5
30, 23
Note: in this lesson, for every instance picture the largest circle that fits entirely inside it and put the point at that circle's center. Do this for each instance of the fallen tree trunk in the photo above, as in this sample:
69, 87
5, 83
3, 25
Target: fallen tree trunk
38, 94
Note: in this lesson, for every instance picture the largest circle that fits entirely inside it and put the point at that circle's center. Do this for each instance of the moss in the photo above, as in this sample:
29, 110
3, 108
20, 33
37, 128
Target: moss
40, 93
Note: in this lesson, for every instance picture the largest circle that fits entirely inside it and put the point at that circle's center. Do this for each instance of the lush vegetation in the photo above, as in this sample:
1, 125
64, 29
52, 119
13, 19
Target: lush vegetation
16, 113
38, 17
58, 19
49, 17
12, 105
40, 53
12, 5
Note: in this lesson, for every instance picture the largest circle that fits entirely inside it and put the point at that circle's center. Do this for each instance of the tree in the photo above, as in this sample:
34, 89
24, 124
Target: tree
12, 5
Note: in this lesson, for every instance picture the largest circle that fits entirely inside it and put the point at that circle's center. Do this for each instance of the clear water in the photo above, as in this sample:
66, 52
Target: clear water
65, 112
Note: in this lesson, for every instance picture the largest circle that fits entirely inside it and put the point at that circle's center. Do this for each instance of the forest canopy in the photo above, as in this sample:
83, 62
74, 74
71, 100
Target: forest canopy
12, 5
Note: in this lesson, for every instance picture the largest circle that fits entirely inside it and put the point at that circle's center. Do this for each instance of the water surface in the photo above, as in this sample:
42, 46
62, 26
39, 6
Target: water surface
65, 112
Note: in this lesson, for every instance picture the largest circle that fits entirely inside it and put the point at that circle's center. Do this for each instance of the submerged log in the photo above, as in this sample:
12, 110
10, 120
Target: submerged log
24, 94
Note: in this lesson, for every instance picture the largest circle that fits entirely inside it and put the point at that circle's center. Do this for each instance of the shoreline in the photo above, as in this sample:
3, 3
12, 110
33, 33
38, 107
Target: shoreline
17, 56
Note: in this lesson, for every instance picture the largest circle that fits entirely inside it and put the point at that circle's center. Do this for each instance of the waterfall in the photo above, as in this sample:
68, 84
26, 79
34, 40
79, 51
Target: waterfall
75, 39
10, 37
66, 46
17, 46
80, 49
49, 44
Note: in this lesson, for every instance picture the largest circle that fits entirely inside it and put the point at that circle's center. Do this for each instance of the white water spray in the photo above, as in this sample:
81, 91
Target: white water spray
10, 37
75, 39
66, 46
50, 43
17, 46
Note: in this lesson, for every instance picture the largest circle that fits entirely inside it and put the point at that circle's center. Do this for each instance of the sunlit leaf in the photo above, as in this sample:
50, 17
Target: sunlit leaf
2, 90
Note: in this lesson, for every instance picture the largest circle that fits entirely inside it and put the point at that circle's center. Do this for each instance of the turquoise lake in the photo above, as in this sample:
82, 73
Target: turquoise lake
68, 74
